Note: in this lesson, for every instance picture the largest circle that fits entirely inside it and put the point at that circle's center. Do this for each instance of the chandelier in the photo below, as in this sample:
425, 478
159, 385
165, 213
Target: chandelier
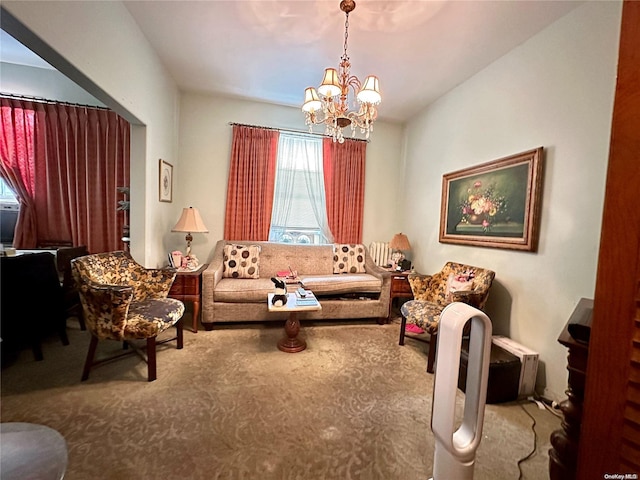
328, 105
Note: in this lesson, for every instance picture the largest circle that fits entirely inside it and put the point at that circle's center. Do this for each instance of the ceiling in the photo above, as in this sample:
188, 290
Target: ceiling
270, 51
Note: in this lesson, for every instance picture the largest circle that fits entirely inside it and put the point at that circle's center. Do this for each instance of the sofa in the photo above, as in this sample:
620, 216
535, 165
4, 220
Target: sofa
344, 278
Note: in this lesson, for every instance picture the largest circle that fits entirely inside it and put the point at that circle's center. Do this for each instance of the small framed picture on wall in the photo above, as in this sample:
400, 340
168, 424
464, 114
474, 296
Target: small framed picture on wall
166, 181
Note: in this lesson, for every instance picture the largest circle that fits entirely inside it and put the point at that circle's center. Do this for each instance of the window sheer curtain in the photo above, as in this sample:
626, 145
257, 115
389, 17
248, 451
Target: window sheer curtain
251, 183
81, 157
300, 156
344, 170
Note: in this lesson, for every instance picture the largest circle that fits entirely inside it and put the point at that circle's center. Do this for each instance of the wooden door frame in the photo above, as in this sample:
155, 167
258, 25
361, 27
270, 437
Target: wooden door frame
612, 374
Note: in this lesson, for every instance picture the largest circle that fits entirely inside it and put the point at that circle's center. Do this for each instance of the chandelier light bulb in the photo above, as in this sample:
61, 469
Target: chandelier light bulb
370, 91
330, 86
312, 102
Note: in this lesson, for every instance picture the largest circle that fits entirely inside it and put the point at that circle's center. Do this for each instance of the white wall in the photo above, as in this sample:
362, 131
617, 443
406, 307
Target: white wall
205, 146
43, 83
100, 44
556, 91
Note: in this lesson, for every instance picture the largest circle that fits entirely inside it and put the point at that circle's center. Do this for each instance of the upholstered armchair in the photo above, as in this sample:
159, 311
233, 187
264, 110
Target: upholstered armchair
123, 301
456, 282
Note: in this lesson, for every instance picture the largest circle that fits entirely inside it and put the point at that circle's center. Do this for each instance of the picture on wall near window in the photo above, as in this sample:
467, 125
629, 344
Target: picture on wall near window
495, 204
166, 181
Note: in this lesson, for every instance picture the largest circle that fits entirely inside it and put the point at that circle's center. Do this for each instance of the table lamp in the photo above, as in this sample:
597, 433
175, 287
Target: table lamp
399, 243
190, 222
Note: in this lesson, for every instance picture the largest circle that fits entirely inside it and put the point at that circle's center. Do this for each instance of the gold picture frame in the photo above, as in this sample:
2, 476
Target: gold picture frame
495, 204
166, 182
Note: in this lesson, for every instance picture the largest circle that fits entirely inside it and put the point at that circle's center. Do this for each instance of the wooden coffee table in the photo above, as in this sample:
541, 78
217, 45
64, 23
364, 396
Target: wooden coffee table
291, 343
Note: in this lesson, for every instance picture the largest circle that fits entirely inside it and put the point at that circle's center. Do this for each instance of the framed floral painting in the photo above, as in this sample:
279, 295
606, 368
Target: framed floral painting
495, 204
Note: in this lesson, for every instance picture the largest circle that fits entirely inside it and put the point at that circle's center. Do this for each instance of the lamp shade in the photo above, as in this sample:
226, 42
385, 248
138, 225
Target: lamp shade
312, 102
370, 91
400, 242
190, 221
330, 86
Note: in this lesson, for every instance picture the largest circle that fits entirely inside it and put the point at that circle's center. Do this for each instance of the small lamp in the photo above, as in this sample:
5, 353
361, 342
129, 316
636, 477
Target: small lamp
190, 222
399, 243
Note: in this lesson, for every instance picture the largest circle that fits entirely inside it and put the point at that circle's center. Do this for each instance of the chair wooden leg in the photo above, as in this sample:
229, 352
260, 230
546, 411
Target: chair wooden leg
63, 333
179, 333
403, 325
37, 350
151, 358
90, 356
431, 359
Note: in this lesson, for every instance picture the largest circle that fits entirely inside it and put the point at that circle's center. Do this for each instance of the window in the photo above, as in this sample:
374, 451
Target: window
299, 207
6, 194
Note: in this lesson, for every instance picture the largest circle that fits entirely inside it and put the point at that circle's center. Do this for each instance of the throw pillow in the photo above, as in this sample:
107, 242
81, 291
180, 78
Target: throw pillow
459, 283
348, 258
241, 261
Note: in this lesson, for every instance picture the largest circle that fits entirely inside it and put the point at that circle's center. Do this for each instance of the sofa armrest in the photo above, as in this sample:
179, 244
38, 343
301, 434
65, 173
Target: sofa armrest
210, 278
381, 273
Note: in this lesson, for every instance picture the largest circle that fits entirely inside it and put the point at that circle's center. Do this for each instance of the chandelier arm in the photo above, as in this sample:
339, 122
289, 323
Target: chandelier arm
354, 83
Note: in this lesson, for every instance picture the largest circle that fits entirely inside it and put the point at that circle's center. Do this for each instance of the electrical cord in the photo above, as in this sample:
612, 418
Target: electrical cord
535, 441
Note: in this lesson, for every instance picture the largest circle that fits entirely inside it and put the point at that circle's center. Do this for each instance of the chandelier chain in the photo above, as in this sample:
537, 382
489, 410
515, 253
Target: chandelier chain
346, 35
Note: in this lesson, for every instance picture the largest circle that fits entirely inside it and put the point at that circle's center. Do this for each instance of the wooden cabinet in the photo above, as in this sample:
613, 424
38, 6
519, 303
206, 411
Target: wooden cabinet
563, 456
187, 287
400, 288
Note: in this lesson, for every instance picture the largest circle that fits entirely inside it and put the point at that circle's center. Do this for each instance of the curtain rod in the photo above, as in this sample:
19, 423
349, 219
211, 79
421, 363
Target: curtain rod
15, 96
291, 130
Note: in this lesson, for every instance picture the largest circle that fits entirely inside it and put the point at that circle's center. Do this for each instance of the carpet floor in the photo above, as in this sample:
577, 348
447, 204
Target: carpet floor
353, 406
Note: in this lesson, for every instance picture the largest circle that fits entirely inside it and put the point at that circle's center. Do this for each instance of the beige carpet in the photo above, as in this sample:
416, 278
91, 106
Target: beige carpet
354, 405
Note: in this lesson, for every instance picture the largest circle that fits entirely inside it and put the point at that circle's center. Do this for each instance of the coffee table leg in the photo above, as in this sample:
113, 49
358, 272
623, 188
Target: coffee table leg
291, 343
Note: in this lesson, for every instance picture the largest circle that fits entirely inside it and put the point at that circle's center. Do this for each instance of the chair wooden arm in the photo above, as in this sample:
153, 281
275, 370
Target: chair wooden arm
469, 297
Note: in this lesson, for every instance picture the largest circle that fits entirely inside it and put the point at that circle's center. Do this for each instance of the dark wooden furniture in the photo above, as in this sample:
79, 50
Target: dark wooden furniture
504, 373
563, 456
72, 305
31, 305
400, 288
187, 287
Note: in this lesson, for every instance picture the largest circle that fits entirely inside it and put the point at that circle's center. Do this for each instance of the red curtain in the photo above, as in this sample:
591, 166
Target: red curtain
82, 157
344, 168
17, 164
252, 172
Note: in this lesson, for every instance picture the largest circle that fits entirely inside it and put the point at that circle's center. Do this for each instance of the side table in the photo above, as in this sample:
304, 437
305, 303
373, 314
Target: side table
400, 287
291, 343
187, 287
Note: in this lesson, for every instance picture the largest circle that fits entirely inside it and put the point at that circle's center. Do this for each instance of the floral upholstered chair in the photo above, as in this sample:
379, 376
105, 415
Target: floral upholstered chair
124, 301
456, 282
